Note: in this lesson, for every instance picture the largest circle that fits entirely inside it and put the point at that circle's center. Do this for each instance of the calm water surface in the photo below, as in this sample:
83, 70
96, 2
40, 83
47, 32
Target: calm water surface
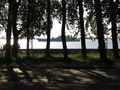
58, 45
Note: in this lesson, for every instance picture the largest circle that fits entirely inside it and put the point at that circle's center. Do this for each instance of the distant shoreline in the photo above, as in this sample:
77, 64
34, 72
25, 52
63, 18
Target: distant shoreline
69, 50
58, 40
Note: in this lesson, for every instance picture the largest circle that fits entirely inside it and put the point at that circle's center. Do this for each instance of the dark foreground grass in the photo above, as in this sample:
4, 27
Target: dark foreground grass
54, 73
31, 76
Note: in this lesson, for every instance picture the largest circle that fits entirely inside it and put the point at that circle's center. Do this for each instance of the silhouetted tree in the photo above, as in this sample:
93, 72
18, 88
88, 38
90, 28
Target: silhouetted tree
65, 52
83, 43
8, 32
48, 28
100, 31
113, 8
30, 3
15, 31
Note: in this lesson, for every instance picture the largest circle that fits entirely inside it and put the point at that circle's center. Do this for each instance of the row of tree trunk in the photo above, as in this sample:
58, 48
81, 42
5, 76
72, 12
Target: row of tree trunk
12, 26
100, 30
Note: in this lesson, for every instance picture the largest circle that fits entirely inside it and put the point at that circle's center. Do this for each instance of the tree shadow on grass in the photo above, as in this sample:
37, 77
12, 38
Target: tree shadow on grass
22, 76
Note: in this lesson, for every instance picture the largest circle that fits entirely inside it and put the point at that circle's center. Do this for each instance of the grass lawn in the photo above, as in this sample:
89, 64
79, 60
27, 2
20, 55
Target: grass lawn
93, 57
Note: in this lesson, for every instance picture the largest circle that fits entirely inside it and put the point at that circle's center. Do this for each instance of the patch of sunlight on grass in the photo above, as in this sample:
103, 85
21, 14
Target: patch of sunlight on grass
93, 55
38, 55
40, 79
43, 79
3, 79
21, 76
35, 80
25, 81
21, 55
57, 55
17, 70
110, 55
76, 56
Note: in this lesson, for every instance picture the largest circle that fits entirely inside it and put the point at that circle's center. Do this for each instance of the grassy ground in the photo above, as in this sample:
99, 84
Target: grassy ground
54, 73
93, 56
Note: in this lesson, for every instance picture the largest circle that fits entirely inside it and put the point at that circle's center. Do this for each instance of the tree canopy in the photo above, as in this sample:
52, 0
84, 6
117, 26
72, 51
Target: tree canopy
94, 19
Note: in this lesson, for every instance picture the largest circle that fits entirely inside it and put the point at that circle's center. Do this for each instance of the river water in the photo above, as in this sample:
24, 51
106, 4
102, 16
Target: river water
58, 45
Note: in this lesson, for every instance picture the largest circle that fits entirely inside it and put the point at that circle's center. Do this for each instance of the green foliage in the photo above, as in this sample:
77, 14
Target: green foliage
3, 14
38, 22
37, 18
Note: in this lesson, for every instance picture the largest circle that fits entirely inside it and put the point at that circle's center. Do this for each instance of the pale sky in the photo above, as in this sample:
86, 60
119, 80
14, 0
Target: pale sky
55, 31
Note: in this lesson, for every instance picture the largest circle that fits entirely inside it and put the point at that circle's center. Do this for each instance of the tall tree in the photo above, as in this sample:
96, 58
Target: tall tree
100, 31
15, 31
114, 28
30, 2
8, 32
83, 43
65, 52
48, 28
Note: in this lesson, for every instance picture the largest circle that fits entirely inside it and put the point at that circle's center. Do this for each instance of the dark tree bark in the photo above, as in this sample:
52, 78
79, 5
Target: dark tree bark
8, 32
114, 28
100, 31
28, 39
65, 52
83, 43
15, 31
48, 28
31, 6
28, 31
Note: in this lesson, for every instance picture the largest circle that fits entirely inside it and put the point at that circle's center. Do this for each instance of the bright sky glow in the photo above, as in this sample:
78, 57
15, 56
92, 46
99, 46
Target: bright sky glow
56, 30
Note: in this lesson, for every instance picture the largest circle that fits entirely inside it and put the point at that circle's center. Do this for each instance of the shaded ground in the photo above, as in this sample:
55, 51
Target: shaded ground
37, 76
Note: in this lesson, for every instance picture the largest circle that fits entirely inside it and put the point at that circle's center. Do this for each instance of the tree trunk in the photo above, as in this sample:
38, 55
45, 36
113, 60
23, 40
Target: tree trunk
114, 28
29, 20
48, 29
65, 52
8, 33
15, 32
28, 39
15, 46
100, 31
28, 31
83, 43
